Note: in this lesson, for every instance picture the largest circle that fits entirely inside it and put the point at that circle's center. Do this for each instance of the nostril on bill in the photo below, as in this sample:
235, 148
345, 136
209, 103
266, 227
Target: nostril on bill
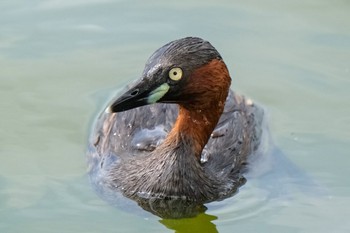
135, 92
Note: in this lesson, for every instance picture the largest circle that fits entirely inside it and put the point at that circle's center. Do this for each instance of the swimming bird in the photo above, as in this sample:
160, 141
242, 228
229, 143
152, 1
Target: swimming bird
178, 134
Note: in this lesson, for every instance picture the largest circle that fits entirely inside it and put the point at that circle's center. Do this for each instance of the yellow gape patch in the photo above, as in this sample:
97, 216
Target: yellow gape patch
158, 93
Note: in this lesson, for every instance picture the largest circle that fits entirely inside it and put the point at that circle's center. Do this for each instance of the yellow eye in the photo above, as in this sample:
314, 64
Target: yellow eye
175, 74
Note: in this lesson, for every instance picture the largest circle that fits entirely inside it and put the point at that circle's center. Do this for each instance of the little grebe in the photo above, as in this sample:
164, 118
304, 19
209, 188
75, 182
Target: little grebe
189, 149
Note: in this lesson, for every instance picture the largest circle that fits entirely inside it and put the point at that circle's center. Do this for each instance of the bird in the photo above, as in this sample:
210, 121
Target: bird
178, 137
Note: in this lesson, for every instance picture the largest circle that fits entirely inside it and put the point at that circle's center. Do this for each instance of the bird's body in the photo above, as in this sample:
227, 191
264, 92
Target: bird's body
193, 152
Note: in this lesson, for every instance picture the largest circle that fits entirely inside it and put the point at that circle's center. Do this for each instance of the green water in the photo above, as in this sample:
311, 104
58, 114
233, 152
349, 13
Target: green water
60, 61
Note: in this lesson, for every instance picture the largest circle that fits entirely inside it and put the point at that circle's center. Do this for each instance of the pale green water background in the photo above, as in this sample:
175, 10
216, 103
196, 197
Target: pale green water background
60, 61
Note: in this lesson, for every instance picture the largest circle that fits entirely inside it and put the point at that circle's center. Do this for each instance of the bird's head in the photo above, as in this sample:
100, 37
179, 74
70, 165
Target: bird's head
188, 71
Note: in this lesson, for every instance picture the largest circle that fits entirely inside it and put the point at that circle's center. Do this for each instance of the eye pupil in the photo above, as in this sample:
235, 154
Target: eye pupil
175, 73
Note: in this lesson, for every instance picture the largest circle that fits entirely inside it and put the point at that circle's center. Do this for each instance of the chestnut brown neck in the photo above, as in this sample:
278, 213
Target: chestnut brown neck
204, 101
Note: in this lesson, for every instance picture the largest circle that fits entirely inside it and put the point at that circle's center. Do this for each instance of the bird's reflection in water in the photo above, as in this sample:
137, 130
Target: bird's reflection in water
201, 223
178, 215
172, 209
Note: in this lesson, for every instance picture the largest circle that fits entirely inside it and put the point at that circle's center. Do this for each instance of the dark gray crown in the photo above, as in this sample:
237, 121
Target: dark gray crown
189, 52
